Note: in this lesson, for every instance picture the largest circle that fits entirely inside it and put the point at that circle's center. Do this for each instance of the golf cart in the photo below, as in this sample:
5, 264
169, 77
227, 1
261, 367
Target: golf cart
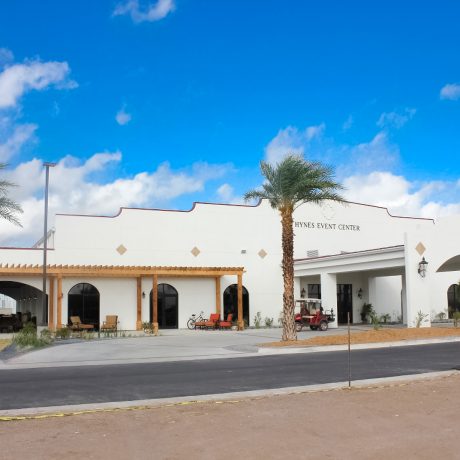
309, 312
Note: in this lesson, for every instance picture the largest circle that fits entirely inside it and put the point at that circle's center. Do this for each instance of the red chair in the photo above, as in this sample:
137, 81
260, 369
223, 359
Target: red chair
228, 323
213, 321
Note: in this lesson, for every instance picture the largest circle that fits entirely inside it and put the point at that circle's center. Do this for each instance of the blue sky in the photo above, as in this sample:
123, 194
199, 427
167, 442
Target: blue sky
203, 91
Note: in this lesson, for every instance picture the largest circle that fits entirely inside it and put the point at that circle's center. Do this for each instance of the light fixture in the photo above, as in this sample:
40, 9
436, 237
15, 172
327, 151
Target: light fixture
360, 293
302, 293
422, 267
143, 294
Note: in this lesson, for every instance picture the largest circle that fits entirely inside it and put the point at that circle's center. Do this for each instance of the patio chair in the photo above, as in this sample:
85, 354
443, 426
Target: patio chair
77, 325
228, 323
213, 321
110, 324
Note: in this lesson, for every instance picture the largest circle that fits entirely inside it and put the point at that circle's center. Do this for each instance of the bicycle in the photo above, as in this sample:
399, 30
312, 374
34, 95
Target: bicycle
194, 319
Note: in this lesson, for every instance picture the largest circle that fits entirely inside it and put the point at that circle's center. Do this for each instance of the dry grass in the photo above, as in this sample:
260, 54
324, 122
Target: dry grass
381, 335
4, 343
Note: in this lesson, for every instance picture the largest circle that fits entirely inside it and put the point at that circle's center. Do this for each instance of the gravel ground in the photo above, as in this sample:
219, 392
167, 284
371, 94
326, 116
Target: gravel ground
416, 420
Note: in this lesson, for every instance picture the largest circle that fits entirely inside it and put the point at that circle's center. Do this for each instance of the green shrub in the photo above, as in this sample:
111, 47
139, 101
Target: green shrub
367, 310
268, 321
62, 333
456, 318
27, 337
385, 318
375, 321
420, 318
257, 320
441, 315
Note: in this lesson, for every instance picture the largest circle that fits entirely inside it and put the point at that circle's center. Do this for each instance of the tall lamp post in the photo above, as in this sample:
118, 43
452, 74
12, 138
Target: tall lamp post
45, 232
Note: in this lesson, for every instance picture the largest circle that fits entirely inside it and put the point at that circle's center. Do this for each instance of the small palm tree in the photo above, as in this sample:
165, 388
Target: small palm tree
290, 183
8, 207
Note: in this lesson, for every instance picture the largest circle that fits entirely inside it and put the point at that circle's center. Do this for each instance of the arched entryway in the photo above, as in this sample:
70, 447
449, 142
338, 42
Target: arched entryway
83, 301
231, 303
26, 306
168, 307
453, 299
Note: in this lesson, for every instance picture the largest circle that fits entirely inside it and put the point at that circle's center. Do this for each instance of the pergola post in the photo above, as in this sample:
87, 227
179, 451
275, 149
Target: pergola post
240, 302
155, 304
51, 304
218, 301
139, 304
59, 303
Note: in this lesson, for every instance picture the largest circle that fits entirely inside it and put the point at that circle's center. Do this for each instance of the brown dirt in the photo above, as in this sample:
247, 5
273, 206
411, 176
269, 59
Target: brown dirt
372, 336
407, 421
4, 343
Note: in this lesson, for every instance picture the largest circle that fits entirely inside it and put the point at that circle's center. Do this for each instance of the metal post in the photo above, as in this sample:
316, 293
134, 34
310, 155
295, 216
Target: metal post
349, 351
45, 231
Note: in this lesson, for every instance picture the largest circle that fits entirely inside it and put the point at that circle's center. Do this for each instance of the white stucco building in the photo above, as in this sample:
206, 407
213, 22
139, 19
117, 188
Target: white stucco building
147, 264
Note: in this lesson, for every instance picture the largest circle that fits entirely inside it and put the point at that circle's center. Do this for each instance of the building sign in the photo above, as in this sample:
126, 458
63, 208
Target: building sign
327, 226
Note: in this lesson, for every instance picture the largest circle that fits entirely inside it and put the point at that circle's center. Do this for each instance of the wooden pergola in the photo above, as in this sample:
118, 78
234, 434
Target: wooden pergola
58, 272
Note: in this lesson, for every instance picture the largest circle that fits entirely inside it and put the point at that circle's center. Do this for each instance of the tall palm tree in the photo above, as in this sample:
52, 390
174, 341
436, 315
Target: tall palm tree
290, 183
8, 207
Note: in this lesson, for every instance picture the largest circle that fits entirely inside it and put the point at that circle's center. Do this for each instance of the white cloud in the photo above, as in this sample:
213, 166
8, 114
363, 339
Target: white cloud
16, 138
348, 123
6, 56
399, 195
151, 13
291, 141
395, 119
378, 153
17, 79
226, 194
122, 117
72, 190
450, 91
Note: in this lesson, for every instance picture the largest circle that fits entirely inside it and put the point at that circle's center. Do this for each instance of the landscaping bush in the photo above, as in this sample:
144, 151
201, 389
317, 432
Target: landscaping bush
62, 333
257, 320
268, 321
456, 318
27, 337
420, 318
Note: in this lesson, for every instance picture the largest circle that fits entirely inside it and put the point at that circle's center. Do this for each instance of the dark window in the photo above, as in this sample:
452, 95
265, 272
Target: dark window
83, 301
453, 299
344, 303
231, 303
168, 307
314, 291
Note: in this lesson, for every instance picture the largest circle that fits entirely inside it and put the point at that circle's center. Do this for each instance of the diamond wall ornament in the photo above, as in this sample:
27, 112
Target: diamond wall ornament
121, 249
420, 248
195, 251
262, 253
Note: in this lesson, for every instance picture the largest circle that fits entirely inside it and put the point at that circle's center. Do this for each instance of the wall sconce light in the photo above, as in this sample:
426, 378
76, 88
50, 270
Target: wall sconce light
302, 293
422, 267
143, 294
360, 293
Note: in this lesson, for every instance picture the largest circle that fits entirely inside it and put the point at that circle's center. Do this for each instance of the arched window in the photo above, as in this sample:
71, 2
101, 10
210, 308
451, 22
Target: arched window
231, 303
453, 299
168, 307
83, 301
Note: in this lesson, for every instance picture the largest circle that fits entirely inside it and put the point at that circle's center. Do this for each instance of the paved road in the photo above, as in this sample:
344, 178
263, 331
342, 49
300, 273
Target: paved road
23, 388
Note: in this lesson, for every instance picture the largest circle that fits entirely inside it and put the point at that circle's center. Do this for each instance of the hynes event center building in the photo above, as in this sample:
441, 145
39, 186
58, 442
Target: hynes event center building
162, 266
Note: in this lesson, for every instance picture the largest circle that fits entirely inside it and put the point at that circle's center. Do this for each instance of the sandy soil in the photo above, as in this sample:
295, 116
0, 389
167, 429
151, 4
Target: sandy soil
417, 420
4, 343
381, 335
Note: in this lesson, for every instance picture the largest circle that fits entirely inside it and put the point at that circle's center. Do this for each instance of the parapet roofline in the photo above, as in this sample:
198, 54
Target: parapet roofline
385, 249
195, 203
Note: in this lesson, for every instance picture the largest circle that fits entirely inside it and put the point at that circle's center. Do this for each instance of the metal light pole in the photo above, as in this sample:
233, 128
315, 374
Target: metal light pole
45, 232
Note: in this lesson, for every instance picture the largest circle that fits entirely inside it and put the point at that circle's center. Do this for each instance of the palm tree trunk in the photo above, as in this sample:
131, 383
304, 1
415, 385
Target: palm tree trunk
289, 331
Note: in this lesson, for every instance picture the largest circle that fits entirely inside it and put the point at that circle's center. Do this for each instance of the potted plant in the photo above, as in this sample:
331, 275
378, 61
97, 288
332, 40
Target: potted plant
366, 310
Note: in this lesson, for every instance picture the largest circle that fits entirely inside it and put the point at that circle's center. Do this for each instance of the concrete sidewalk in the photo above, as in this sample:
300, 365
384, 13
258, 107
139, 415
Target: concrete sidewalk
180, 345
